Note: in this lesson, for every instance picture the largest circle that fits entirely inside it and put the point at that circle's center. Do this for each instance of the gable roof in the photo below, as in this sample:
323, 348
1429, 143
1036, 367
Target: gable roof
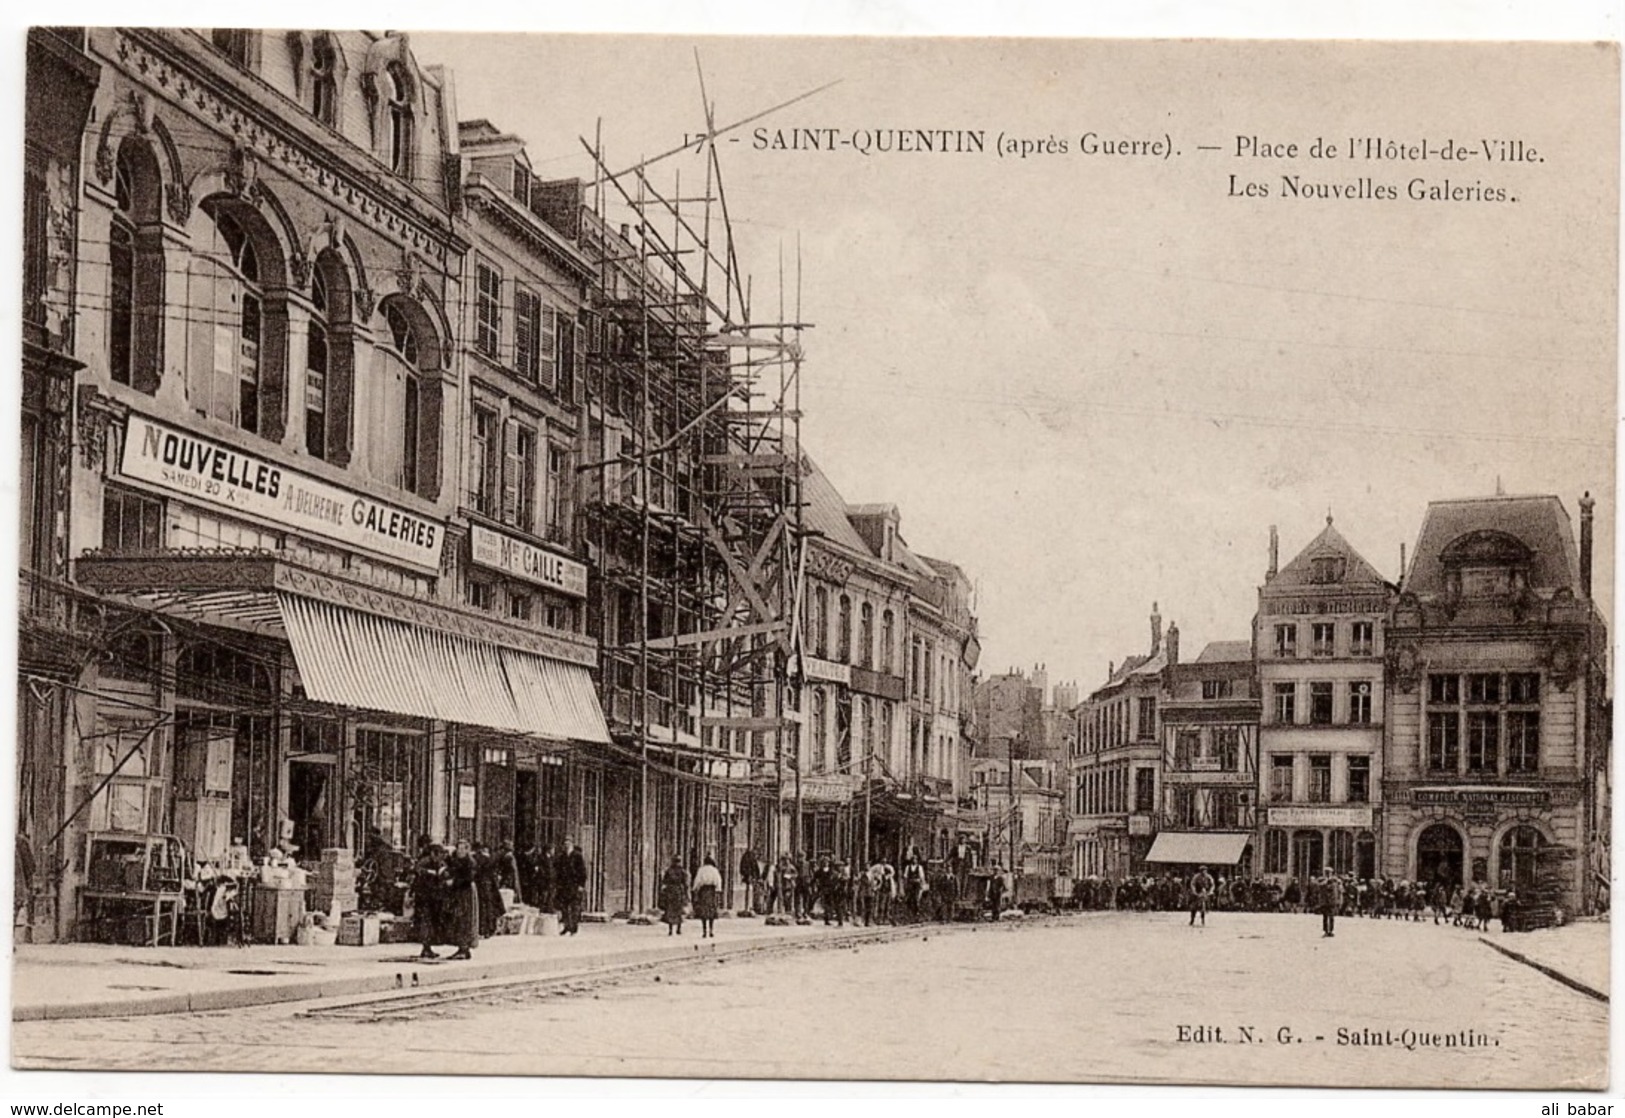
1540, 523
1330, 543
826, 510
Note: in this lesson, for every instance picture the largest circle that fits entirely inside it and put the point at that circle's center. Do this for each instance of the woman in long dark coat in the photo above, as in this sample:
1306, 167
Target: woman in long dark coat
708, 897
488, 880
462, 902
429, 898
673, 896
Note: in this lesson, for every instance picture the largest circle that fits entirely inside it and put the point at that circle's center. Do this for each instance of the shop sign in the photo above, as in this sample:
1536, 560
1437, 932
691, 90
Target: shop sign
1139, 824
1354, 815
823, 789
465, 801
828, 671
1486, 798
202, 470
523, 560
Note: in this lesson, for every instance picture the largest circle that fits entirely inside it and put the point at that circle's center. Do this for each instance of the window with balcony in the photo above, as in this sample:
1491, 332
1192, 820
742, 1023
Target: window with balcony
1320, 778
1362, 638
1286, 703
1359, 779
1323, 638
1320, 704
1360, 703
1286, 641
1281, 778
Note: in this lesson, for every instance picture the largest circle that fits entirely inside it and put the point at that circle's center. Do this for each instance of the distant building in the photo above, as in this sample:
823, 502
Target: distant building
1497, 740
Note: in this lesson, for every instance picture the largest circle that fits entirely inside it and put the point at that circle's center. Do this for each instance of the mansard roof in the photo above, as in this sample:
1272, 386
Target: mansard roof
1532, 532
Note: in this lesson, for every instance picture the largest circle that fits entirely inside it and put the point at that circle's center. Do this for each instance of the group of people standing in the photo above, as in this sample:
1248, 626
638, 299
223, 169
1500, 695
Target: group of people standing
840, 891
703, 891
458, 895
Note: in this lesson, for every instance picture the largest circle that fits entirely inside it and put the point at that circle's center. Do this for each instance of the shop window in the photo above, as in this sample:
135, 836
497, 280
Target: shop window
482, 595
1320, 778
1320, 704
1519, 862
1286, 641
1361, 638
1275, 851
1286, 703
384, 779
1323, 638
1444, 741
1359, 779
1360, 703
1341, 853
1483, 741
1523, 741
131, 521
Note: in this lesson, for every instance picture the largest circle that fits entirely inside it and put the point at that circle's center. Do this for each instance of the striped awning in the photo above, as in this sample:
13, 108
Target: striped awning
359, 659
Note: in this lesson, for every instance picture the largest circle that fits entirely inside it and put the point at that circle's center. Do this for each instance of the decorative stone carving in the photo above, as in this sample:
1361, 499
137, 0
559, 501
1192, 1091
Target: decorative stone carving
243, 174
1405, 666
409, 273
300, 267
95, 413
365, 303
1562, 664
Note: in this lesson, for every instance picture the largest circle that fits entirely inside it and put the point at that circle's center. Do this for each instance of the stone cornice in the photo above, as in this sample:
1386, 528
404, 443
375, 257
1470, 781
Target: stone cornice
164, 67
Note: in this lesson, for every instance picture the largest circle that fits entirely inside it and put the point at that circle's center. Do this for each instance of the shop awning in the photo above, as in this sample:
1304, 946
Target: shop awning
1198, 848
353, 658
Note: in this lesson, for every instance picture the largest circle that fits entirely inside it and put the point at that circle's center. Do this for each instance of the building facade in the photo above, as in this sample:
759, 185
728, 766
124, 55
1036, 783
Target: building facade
1319, 645
1497, 738
1114, 774
1209, 780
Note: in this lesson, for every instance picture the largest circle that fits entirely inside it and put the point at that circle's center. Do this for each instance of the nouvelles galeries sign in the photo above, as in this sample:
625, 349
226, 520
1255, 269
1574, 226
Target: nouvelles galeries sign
228, 478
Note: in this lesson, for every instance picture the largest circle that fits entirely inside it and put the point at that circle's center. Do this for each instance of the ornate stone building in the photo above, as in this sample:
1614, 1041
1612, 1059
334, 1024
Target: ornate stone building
1497, 734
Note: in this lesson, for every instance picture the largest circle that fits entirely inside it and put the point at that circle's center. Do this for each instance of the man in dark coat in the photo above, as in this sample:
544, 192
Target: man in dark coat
750, 873
462, 905
1331, 901
569, 880
488, 879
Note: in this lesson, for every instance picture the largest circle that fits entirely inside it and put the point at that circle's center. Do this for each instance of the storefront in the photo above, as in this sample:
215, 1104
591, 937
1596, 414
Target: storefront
1304, 842
1503, 836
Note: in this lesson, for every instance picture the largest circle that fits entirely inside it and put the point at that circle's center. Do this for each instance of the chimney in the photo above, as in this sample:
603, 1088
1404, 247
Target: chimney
1173, 645
1587, 505
1156, 629
1275, 555
1402, 562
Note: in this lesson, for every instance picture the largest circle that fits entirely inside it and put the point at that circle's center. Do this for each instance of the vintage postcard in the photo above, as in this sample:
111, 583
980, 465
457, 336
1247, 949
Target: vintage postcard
1080, 561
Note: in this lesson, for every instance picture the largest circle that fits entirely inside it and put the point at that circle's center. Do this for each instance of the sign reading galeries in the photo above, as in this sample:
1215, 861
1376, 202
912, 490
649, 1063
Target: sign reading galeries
233, 479
522, 560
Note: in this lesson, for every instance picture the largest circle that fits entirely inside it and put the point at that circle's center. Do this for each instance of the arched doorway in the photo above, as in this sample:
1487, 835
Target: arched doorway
1365, 855
1519, 860
1439, 855
1308, 853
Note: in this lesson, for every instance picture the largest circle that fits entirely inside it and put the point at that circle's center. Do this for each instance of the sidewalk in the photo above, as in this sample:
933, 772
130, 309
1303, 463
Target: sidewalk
98, 980
1578, 951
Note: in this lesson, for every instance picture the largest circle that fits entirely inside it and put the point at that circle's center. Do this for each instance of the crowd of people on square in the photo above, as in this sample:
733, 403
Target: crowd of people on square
916, 890
1472, 906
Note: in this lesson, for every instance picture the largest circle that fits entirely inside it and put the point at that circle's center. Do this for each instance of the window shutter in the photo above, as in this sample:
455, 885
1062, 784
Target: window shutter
550, 347
512, 469
524, 334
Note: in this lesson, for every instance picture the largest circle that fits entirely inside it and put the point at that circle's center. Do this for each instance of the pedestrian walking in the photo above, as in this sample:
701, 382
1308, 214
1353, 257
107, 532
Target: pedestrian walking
673, 896
789, 889
462, 902
1201, 887
750, 873
569, 881
913, 887
995, 890
488, 882
1331, 901
707, 897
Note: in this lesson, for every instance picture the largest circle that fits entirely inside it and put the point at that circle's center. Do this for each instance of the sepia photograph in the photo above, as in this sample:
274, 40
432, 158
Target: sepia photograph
739, 557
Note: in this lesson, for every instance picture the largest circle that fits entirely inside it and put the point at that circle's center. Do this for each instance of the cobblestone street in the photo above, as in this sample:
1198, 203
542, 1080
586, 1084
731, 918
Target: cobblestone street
1098, 997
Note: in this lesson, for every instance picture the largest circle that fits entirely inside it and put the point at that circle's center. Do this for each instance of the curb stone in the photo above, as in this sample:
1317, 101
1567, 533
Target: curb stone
1550, 972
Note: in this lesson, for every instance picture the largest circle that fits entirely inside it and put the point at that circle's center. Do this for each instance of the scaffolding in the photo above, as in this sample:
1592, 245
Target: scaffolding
693, 504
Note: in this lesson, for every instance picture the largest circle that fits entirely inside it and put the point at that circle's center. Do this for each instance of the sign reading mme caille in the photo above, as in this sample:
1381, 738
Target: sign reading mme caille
522, 560
203, 470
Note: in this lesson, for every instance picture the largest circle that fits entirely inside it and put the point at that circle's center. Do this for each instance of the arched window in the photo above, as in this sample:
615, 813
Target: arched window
135, 292
403, 413
1519, 865
866, 636
843, 631
318, 365
324, 89
398, 90
329, 362
235, 330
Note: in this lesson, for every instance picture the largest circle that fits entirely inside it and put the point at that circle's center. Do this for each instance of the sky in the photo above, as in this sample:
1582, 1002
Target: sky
1095, 381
